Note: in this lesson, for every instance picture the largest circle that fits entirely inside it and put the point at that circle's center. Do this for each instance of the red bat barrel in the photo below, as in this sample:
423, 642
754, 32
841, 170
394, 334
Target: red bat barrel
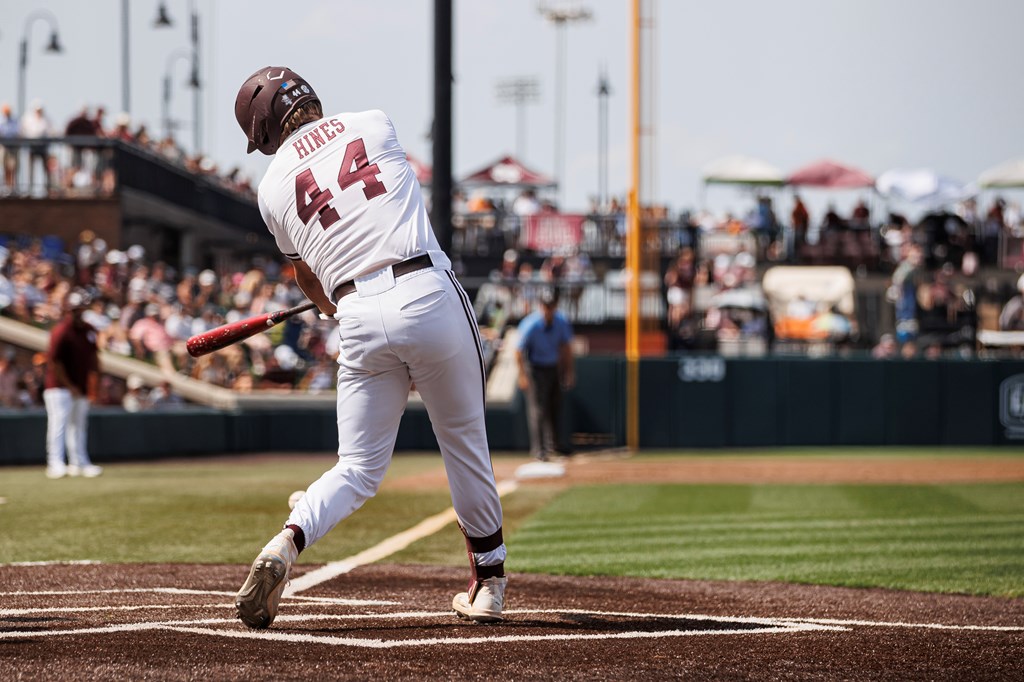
227, 334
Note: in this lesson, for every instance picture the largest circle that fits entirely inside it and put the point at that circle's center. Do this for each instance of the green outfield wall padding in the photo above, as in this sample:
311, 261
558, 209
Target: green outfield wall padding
912, 403
968, 405
809, 415
685, 402
861, 409
754, 403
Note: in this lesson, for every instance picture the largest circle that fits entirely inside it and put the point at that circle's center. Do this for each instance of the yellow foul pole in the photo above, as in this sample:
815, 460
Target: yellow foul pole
633, 252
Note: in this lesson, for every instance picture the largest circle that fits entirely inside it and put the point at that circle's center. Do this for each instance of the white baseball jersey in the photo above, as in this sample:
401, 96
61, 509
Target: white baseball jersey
341, 196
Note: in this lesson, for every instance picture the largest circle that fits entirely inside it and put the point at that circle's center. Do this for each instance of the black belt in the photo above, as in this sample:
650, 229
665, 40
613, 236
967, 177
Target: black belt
398, 269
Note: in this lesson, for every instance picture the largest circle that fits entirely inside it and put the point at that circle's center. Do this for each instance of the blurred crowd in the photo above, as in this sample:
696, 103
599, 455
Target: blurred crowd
940, 273
146, 310
84, 170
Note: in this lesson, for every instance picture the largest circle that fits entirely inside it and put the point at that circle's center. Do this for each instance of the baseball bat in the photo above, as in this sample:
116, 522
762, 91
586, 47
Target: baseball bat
227, 334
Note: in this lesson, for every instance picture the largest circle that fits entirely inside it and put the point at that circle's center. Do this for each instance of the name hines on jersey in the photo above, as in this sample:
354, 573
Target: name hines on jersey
318, 137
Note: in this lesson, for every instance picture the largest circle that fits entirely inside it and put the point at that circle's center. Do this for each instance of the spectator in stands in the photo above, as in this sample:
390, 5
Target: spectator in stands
35, 125
8, 378
136, 398
860, 219
122, 128
886, 349
526, 203
8, 155
832, 223
992, 228
163, 396
149, 338
905, 281
99, 126
6, 287
142, 137
114, 339
82, 125
800, 220
1011, 318
679, 279
932, 348
908, 351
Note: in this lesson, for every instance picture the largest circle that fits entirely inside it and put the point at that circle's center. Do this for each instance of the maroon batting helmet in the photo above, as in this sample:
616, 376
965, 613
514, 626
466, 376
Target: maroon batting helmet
265, 101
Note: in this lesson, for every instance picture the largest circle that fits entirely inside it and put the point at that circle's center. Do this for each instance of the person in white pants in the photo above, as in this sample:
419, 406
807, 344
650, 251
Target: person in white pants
345, 207
72, 367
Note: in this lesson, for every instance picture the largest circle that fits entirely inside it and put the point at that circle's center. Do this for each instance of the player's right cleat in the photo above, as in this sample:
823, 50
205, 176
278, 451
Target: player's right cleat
88, 471
260, 595
59, 471
488, 601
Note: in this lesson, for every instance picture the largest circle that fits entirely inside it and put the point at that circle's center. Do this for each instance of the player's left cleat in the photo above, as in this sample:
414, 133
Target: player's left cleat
260, 595
487, 603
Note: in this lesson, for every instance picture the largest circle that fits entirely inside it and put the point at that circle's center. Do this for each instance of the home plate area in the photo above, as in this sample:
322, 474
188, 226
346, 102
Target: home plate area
177, 622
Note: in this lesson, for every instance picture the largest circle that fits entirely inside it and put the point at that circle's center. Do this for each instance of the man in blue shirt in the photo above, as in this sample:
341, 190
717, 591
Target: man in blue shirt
544, 353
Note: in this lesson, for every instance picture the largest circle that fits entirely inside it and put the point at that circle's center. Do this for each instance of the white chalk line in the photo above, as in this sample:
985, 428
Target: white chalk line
384, 549
81, 562
773, 625
338, 601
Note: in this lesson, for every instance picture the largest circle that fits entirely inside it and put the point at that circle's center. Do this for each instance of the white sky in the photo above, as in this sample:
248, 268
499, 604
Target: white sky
875, 83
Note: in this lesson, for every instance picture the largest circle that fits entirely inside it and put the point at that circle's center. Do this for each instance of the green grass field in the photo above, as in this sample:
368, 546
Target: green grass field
943, 538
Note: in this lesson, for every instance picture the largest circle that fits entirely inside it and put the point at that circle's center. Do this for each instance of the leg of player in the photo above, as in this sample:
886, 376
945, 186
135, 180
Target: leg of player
58, 410
373, 388
79, 463
449, 375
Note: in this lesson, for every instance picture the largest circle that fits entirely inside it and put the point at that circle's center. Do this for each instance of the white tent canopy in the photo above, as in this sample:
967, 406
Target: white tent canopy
1005, 175
921, 186
742, 170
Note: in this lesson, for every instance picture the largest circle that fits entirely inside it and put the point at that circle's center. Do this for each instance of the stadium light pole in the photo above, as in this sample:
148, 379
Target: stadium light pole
520, 92
163, 20
53, 47
441, 137
561, 17
175, 56
603, 91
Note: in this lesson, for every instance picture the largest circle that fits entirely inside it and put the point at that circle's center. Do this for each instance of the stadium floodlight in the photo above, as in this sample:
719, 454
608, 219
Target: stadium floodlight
520, 92
53, 47
561, 15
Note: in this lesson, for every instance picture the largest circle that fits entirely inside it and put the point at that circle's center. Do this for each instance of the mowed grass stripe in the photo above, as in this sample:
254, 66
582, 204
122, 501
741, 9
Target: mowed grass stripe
878, 537
686, 524
937, 538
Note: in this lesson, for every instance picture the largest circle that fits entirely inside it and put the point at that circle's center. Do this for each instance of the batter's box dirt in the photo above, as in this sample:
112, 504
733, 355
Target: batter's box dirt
394, 622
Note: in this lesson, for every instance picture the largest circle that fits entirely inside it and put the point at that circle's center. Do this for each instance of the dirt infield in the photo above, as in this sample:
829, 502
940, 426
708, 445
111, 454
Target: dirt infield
175, 622
731, 469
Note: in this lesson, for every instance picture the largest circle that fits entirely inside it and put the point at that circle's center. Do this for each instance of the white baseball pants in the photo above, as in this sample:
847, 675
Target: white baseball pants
416, 329
67, 420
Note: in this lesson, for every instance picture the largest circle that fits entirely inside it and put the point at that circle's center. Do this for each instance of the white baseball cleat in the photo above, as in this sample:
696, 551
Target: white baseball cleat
88, 471
56, 471
261, 593
487, 602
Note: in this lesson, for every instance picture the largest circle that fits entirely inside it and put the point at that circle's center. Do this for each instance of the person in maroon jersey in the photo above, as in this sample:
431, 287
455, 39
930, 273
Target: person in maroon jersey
71, 375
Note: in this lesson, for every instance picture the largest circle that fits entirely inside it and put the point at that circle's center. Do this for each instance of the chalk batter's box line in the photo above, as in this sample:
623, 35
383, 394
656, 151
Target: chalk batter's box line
767, 625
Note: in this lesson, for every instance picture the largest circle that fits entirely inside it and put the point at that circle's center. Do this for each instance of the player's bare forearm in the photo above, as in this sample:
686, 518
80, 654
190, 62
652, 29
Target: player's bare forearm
312, 287
524, 377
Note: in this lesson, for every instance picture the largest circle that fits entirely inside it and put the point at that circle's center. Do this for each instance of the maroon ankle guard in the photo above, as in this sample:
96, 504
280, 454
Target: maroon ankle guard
300, 537
479, 573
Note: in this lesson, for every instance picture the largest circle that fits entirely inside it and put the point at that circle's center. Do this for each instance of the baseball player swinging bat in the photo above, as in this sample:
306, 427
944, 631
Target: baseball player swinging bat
227, 334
